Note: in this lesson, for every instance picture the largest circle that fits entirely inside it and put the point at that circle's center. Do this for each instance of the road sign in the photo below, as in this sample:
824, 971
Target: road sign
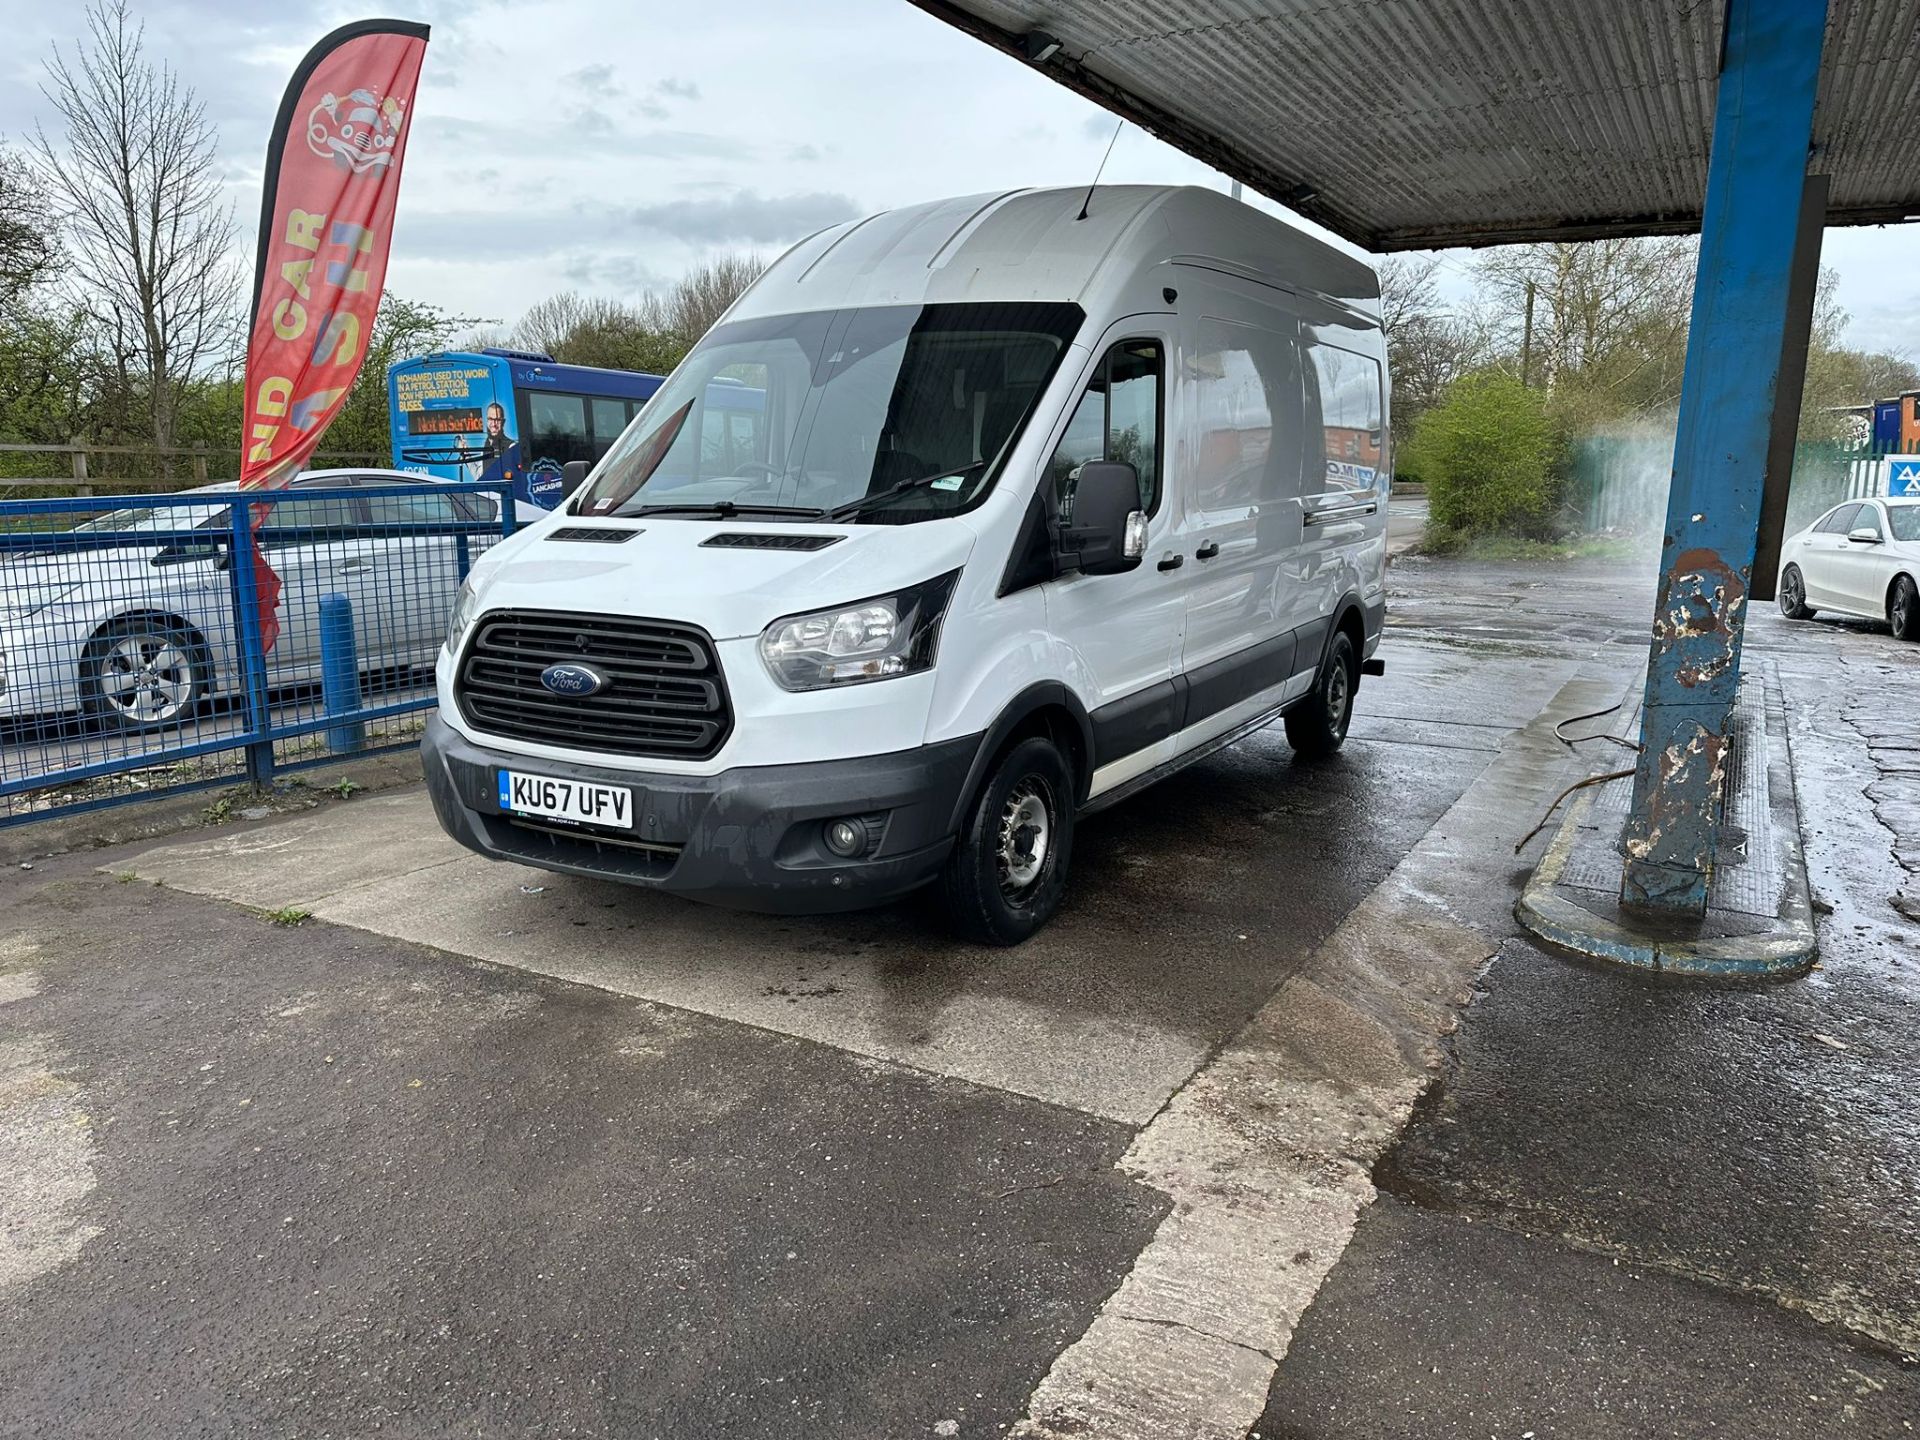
1903, 476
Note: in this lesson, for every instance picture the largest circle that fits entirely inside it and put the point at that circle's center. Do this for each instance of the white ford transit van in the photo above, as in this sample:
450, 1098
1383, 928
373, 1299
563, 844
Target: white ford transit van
1031, 500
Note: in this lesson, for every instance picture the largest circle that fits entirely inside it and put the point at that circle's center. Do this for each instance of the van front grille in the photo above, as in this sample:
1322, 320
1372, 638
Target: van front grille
663, 696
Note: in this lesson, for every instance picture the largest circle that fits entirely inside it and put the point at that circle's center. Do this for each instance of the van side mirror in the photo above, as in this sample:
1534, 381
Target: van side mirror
1105, 532
571, 474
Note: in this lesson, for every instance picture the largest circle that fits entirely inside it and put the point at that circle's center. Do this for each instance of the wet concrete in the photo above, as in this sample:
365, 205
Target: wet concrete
1437, 1326
1762, 1137
1646, 1207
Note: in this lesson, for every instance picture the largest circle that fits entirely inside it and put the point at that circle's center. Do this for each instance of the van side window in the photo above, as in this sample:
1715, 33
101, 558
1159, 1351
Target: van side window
1117, 419
1243, 445
1345, 389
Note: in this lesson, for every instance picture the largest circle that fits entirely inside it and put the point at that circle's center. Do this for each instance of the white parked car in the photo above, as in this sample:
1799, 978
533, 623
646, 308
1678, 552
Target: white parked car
1861, 558
1056, 493
138, 633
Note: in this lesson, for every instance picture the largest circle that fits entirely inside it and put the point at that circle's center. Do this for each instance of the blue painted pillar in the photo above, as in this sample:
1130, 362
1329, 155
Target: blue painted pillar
1762, 128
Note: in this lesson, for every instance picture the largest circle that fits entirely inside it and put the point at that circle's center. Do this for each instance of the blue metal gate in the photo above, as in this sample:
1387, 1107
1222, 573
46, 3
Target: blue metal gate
134, 661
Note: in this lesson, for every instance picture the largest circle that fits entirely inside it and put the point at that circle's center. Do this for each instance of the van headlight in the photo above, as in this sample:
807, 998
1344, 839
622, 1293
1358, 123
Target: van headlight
461, 620
873, 639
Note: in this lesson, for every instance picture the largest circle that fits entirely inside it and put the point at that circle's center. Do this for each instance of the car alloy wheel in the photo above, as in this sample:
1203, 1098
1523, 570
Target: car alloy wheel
1904, 611
140, 676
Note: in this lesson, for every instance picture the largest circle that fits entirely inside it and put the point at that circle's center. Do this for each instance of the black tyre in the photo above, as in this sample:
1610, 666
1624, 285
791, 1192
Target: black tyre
142, 674
1317, 726
1009, 867
1903, 609
1793, 594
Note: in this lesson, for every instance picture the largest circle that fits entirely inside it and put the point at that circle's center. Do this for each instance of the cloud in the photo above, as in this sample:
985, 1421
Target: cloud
597, 79
590, 122
615, 271
598, 230
678, 89
1099, 127
804, 154
745, 216
591, 132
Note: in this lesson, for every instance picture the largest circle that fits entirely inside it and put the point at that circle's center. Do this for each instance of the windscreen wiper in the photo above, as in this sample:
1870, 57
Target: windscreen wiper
725, 509
919, 482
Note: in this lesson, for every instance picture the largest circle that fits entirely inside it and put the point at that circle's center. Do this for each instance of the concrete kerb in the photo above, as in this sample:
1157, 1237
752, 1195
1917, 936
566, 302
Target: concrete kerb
1784, 952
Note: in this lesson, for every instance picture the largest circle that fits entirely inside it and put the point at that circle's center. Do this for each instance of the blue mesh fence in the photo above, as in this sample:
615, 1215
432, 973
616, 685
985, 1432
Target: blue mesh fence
132, 654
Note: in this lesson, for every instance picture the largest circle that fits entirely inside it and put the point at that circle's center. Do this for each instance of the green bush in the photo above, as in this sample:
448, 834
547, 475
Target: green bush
1490, 456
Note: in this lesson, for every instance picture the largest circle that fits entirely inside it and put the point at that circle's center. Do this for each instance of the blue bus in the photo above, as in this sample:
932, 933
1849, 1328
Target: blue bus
519, 416
512, 415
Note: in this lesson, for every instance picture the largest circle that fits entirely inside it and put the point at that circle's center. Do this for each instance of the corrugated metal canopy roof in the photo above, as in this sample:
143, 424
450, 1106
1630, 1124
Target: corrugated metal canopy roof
1403, 124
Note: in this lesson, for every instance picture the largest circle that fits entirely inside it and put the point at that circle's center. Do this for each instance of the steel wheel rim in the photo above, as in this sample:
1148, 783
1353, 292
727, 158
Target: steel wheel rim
1026, 836
1339, 692
147, 678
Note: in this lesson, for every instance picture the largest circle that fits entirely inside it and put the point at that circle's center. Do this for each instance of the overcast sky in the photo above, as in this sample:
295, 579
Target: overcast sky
605, 146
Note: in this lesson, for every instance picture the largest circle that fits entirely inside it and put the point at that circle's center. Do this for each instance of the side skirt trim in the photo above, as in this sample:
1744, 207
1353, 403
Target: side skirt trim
1180, 762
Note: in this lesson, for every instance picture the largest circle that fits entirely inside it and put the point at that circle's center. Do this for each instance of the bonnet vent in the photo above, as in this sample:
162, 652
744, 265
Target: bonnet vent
743, 540
593, 534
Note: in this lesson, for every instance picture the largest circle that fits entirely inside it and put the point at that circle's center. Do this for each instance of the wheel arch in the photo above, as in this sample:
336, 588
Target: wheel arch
151, 614
1886, 600
205, 657
1350, 616
1049, 709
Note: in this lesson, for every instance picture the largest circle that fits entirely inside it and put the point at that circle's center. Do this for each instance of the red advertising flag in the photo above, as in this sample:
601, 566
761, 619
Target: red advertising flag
332, 182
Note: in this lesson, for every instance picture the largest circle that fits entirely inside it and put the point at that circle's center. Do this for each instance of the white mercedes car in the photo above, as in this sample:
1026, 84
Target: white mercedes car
1861, 558
138, 633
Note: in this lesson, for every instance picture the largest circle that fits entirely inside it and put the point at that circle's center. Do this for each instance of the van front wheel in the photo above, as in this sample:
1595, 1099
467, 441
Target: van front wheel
1009, 866
1318, 724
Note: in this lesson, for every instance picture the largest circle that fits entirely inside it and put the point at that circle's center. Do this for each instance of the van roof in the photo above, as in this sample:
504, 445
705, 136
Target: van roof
1034, 245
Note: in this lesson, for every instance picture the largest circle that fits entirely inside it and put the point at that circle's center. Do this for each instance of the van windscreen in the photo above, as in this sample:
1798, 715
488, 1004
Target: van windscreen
903, 412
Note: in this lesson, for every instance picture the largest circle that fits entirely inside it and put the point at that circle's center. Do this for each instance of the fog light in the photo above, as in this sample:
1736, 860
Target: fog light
846, 837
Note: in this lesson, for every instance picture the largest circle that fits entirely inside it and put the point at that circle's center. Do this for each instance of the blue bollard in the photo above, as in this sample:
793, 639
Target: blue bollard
340, 675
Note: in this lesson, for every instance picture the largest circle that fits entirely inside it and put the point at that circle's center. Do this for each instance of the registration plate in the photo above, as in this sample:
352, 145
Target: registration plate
547, 798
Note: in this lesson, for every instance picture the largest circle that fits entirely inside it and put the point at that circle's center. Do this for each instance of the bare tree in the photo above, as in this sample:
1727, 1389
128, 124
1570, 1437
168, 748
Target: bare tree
704, 294
134, 187
1609, 316
652, 333
1427, 346
1408, 289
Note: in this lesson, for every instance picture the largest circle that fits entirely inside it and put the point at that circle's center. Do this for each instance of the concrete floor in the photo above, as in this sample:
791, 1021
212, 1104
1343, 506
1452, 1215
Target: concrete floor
484, 1151
1642, 1208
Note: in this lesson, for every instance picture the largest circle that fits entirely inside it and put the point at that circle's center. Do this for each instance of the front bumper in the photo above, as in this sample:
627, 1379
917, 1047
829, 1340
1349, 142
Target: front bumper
749, 838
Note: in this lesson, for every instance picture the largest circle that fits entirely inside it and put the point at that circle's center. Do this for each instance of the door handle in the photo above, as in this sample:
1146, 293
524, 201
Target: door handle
1173, 562
1207, 551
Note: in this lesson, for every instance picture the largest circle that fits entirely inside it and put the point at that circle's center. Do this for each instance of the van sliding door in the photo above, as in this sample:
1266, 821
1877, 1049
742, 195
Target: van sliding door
1240, 456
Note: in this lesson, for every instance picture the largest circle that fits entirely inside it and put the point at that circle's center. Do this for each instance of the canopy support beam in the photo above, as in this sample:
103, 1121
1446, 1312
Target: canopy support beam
1739, 334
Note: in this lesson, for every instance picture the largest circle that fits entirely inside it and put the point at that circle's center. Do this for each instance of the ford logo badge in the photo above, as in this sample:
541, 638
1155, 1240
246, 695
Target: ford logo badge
573, 679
